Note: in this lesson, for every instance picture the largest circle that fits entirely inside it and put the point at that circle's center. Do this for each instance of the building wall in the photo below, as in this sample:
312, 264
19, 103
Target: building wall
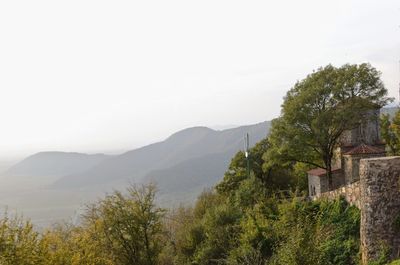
350, 192
316, 185
348, 169
351, 166
337, 158
321, 183
367, 132
377, 195
337, 179
380, 207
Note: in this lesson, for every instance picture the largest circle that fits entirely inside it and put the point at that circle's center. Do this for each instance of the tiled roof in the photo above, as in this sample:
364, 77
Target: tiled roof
365, 149
320, 171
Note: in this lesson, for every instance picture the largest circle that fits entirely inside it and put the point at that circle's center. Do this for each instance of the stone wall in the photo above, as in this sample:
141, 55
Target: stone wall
380, 207
367, 132
350, 192
351, 166
377, 194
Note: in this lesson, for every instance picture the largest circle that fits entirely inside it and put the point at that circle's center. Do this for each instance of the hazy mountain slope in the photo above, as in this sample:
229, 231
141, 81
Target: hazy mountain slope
182, 146
183, 182
6, 165
55, 164
203, 171
390, 110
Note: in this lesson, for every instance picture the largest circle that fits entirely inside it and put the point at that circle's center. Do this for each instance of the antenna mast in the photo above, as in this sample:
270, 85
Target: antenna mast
246, 145
246, 152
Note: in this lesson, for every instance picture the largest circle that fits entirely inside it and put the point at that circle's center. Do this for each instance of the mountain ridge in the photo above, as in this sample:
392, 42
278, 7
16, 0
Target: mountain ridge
187, 144
188, 160
54, 163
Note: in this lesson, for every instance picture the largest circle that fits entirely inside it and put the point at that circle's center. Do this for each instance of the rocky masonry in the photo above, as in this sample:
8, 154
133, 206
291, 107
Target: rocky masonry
350, 192
380, 207
377, 195
366, 178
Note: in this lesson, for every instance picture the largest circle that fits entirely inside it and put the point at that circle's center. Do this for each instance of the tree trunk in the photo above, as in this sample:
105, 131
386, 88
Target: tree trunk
329, 174
328, 165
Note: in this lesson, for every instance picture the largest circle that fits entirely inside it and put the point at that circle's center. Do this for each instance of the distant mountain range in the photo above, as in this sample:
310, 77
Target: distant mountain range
187, 161
50, 186
180, 151
56, 164
390, 110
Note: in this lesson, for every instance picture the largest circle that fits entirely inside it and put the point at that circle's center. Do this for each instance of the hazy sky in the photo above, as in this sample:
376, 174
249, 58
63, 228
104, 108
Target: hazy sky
113, 75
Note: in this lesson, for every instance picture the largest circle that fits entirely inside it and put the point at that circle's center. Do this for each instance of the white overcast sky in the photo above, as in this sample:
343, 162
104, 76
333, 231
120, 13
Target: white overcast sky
99, 75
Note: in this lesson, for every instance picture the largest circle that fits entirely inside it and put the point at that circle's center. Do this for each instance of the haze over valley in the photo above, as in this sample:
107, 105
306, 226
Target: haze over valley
53, 186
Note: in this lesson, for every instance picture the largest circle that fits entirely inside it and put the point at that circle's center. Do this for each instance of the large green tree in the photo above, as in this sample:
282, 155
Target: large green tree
319, 108
128, 227
272, 179
390, 132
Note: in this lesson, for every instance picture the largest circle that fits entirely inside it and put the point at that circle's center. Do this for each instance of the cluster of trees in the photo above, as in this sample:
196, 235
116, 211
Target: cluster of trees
318, 109
252, 219
119, 229
258, 218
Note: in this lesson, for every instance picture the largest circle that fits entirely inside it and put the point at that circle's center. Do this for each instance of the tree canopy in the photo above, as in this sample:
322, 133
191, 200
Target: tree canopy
390, 132
319, 108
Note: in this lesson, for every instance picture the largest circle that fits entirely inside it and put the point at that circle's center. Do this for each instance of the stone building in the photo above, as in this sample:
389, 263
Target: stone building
351, 160
367, 179
318, 182
356, 144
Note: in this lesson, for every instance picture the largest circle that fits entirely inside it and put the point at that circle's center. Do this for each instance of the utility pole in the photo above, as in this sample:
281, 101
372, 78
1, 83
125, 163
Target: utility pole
247, 153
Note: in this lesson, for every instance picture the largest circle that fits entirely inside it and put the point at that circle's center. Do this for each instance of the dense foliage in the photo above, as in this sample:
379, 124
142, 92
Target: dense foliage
119, 229
248, 219
390, 132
